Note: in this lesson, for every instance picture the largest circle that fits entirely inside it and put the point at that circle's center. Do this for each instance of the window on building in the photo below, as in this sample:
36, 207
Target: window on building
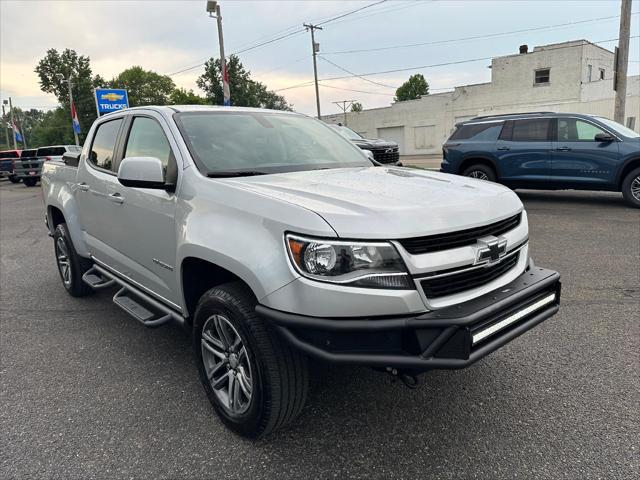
534, 130
602, 72
574, 130
631, 123
542, 76
589, 72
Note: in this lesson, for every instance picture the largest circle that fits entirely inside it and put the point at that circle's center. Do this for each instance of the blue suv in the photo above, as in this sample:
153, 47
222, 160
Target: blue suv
549, 151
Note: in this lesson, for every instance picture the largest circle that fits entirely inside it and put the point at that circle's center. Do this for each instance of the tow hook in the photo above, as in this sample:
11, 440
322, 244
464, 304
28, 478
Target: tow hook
410, 380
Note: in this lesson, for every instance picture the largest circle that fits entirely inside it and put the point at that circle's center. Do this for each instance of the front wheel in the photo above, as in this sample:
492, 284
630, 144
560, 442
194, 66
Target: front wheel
14, 179
30, 182
481, 172
631, 188
255, 382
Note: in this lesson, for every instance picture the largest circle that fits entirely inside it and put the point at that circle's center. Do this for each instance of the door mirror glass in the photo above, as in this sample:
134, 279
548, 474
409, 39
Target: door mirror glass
141, 172
603, 137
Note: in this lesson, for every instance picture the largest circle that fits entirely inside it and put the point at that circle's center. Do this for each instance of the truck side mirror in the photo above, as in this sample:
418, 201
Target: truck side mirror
603, 137
71, 158
141, 172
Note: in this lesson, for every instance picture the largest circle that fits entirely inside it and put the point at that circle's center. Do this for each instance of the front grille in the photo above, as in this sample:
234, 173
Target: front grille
446, 241
459, 282
386, 155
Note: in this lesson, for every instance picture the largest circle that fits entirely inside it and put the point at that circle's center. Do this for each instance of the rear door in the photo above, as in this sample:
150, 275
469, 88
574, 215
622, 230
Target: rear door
523, 152
578, 160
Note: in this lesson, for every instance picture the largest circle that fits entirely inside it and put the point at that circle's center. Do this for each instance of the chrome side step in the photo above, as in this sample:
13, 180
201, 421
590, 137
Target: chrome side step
148, 311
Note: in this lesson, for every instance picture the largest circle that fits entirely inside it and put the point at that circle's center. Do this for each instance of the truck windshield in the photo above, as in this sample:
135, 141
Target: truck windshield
260, 143
346, 132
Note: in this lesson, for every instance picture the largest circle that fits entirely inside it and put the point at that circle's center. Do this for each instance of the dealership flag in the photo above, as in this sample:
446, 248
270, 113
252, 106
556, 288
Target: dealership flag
16, 132
74, 118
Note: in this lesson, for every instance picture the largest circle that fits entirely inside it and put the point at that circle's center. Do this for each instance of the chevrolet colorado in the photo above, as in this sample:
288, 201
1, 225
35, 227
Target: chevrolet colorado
273, 240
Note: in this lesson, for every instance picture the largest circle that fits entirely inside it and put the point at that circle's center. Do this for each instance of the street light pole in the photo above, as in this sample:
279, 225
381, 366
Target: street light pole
4, 122
213, 7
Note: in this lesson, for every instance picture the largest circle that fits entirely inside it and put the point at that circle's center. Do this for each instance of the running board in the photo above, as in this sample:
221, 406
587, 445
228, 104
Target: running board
141, 306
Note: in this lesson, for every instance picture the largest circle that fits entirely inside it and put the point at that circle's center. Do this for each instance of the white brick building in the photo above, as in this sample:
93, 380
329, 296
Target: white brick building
574, 76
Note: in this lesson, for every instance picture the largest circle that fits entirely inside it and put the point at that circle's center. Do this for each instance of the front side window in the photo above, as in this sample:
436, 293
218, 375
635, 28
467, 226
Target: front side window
146, 139
542, 76
104, 142
534, 130
574, 130
261, 143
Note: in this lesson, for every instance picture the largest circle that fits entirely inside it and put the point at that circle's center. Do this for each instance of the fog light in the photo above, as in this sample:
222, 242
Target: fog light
482, 334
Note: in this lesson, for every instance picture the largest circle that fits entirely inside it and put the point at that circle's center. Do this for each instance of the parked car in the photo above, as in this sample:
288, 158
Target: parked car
384, 151
271, 239
550, 151
7, 164
30, 165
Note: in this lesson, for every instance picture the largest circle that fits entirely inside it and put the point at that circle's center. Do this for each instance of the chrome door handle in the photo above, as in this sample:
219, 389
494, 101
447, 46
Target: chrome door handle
563, 149
116, 198
504, 148
83, 187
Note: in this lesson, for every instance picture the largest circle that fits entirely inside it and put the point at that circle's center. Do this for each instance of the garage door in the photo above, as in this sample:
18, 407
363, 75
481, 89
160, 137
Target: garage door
393, 134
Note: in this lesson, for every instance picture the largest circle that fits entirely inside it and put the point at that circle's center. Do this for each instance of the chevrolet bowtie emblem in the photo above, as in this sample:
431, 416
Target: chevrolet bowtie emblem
491, 249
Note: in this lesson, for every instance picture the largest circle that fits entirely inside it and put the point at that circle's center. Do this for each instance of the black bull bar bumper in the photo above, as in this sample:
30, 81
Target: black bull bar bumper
448, 338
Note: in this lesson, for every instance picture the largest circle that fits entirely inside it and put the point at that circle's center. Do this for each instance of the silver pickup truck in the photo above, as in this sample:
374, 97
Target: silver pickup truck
273, 240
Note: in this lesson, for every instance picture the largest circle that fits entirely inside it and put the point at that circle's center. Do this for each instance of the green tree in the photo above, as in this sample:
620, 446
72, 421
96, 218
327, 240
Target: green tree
412, 89
70, 64
356, 107
180, 96
144, 87
53, 129
245, 92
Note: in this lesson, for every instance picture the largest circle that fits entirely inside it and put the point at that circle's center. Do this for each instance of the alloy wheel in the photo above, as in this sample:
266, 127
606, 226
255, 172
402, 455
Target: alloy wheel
227, 364
64, 263
635, 188
479, 174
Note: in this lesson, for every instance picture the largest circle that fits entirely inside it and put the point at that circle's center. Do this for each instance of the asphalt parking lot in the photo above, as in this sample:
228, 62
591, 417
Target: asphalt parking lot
86, 392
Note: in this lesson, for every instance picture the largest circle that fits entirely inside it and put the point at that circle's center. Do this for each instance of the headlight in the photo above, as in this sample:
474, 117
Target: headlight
356, 264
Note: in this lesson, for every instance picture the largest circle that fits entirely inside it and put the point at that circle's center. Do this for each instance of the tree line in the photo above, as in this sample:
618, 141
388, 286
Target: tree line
144, 87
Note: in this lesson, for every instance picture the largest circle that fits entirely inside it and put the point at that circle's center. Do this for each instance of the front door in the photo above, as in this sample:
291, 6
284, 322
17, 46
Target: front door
145, 231
578, 160
523, 153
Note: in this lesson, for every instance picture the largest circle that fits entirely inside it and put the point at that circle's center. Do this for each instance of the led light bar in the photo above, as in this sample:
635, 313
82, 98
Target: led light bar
482, 334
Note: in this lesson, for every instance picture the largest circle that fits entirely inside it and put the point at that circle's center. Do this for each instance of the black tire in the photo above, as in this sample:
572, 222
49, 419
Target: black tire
481, 171
14, 179
280, 382
630, 186
30, 182
77, 265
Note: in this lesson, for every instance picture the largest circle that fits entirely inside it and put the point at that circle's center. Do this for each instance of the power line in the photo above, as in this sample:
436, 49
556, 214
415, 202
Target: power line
356, 75
354, 90
476, 37
351, 12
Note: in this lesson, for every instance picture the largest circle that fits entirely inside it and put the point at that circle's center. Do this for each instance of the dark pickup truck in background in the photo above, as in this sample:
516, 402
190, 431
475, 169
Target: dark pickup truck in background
384, 151
7, 164
29, 167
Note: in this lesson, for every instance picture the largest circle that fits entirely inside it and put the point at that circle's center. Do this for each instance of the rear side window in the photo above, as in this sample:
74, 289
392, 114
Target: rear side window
478, 131
51, 151
104, 142
534, 130
146, 139
574, 130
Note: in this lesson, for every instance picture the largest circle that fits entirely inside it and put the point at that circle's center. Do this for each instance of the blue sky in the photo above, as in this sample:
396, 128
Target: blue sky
167, 36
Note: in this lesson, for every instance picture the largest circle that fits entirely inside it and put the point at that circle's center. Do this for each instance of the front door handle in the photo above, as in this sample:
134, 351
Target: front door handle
563, 149
83, 187
116, 198
504, 148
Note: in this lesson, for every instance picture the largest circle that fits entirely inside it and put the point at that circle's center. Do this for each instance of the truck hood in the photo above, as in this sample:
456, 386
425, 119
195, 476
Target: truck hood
376, 143
391, 203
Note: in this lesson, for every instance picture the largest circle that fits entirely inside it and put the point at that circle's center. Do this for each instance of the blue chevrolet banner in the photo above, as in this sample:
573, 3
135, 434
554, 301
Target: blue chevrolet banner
111, 100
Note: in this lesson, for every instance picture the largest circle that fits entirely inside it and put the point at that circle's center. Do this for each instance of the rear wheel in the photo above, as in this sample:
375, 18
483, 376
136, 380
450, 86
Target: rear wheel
255, 382
481, 172
71, 266
30, 182
14, 179
631, 188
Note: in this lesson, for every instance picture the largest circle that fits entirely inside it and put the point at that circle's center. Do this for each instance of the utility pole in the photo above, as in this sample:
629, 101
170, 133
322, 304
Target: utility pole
344, 105
622, 59
4, 122
213, 7
13, 132
315, 48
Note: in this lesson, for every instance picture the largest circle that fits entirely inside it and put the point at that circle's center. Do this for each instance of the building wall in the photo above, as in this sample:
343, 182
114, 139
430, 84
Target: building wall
424, 124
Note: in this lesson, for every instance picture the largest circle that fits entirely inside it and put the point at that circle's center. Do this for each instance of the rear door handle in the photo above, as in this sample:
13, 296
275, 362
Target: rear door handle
504, 148
116, 198
563, 149
82, 187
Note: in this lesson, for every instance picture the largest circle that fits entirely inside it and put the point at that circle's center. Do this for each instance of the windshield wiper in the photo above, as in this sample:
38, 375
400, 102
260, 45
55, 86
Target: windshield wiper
234, 173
